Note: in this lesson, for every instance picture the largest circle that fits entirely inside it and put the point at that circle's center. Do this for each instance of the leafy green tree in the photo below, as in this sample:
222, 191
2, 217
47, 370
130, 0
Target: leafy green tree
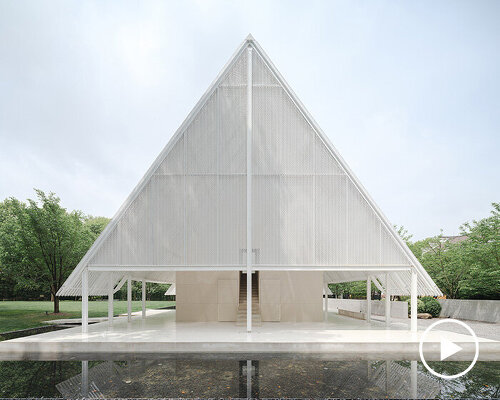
444, 262
96, 224
42, 243
481, 251
469, 268
352, 290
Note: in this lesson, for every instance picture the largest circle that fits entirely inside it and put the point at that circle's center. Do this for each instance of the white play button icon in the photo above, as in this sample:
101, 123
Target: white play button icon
448, 348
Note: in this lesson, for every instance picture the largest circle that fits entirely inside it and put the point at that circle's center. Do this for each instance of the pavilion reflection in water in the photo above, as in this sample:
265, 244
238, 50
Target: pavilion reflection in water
250, 378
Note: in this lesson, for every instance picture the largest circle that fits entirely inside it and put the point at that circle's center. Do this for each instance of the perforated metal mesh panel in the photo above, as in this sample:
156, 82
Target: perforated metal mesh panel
191, 210
306, 210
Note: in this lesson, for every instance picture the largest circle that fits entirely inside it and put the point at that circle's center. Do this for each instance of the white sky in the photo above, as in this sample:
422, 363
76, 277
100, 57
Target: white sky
408, 92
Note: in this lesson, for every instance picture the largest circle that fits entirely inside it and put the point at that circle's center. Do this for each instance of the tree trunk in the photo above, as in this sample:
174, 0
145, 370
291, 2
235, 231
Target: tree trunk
56, 305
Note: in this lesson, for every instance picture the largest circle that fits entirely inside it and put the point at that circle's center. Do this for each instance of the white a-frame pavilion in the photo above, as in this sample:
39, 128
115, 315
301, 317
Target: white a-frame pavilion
248, 169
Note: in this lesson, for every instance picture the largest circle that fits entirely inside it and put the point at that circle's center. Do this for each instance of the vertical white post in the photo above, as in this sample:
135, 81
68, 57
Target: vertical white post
85, 300
249, 189
369, 299
387, 301
325, 301
413, 301
413, 380
110, 300
129, 299
143, 299
327, 290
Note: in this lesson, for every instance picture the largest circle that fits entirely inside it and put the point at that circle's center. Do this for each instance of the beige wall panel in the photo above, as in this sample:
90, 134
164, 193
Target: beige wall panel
194, 294
300, 295
200, 295
182, 294
308, 312
186, 277
305, 286
269, 291
196, 312
271, 274
288, 312
270, 312
202, 278
227, 312
227, 291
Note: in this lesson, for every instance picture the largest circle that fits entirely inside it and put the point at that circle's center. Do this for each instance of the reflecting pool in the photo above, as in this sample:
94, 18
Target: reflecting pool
283, 376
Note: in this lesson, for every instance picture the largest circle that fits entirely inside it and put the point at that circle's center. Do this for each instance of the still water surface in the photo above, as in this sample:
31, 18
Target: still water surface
270, 377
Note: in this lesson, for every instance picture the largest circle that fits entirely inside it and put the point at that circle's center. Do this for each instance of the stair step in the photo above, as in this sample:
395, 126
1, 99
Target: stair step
241, 319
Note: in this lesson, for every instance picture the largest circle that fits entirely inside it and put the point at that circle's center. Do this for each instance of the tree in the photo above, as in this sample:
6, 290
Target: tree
481, 251
445, 263
354, 290
42, 242
96, 224
469, 268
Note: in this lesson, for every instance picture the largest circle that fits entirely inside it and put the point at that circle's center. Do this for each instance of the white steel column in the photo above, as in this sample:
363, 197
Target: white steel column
413, 301
143, 299
129, 299
110, 300
369, 299
387, 302
85, 300
325, 301
249, 189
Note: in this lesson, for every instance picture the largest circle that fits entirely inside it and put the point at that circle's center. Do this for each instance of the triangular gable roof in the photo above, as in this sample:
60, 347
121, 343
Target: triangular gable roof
308, 208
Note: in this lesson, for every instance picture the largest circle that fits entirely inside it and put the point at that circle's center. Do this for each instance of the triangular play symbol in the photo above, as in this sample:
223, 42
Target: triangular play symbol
448, 348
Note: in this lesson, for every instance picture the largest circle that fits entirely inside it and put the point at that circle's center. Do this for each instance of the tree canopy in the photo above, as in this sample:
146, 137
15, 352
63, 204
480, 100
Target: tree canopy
41, 242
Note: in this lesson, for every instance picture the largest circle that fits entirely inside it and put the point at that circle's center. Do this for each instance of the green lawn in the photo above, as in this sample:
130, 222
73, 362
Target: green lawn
29, 314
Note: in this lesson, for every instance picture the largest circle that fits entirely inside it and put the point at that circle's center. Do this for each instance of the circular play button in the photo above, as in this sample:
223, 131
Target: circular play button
448, 347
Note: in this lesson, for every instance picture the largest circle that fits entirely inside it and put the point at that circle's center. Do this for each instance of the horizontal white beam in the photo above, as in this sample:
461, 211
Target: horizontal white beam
307, 267
243, 174
269, 267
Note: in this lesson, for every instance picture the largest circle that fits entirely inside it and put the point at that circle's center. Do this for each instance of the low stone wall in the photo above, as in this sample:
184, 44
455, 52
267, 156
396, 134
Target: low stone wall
352, 314
475, 310
399, 309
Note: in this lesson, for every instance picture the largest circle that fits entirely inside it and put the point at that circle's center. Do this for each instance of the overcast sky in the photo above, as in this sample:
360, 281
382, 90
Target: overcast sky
408, 92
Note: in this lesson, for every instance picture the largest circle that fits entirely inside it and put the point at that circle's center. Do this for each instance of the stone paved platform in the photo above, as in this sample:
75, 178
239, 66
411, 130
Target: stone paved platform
159, 333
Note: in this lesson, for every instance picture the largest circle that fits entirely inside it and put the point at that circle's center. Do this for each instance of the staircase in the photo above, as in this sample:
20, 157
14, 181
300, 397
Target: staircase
241, 319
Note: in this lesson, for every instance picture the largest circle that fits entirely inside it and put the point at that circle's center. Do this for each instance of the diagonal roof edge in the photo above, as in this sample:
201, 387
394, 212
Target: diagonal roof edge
415, 263
249, 40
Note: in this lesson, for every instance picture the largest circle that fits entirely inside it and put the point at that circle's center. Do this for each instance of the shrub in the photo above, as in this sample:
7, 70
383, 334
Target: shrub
420, 306
431, 306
